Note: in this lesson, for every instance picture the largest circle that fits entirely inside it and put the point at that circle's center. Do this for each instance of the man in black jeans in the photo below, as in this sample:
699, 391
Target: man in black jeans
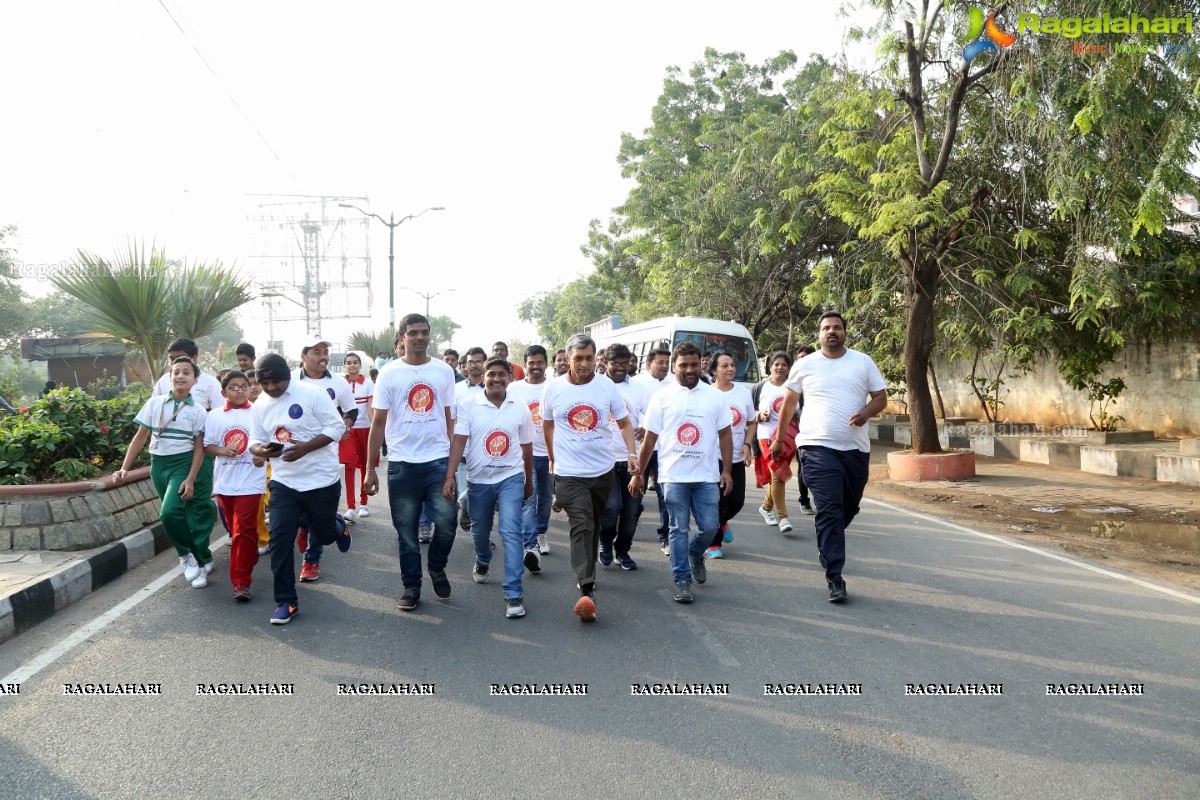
620, 517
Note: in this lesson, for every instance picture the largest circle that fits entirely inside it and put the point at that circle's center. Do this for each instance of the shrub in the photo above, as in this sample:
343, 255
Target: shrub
68, 436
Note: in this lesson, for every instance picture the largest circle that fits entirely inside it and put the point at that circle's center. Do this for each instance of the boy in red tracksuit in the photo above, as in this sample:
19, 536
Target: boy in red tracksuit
240, 480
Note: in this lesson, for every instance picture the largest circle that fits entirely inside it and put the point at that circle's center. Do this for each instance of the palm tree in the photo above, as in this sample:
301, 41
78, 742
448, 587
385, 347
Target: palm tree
371, 342
149, 300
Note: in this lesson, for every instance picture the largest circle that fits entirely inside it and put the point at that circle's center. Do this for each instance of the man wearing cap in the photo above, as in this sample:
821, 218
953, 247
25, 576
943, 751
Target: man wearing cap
314, 371
296, 426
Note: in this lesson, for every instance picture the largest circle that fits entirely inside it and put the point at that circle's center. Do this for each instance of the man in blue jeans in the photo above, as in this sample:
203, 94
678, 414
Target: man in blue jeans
413, 401
691, 423
537, 508
495, 434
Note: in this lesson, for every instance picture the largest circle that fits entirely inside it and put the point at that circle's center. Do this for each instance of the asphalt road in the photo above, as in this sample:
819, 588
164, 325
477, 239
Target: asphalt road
930, 604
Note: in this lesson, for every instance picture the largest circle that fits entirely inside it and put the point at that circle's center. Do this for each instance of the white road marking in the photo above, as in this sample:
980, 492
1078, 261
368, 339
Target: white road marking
1046, 554
52, 654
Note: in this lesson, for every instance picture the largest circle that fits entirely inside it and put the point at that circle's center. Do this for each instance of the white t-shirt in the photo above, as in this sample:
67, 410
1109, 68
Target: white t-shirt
230, 427
531, 395
464, 392
207, 391
652, 384
335, 386
834, 389
173, 424
582, 444
416, 399
770, 399
302, 412
637, 398
687, 423
494, 435
741, 410
362, 389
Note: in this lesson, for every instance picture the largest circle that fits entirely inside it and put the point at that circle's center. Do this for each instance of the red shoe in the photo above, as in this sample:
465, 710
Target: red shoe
585, 609
310, 571
302, 540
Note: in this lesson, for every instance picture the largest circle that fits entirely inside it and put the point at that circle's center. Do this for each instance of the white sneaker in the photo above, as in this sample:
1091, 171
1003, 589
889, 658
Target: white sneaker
543, 544
262, 551
190, 568
363, 513
785, 526
768, 516
349, 516
207, 568
201, 580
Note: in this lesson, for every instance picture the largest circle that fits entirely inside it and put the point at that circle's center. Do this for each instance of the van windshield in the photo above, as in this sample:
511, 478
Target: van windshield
740, 348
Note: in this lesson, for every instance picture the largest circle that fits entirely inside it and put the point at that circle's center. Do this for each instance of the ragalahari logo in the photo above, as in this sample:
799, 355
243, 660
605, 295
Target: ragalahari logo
983, 34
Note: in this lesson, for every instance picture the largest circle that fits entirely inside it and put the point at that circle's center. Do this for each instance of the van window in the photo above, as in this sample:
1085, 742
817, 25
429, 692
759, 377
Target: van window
739, 347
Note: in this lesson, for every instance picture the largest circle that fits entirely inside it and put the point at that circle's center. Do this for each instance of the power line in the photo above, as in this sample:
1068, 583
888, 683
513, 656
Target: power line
228, 93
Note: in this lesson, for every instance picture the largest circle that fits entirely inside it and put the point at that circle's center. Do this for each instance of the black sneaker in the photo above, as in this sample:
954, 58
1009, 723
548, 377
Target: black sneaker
837, 590
683, 592
665, 546
807, 510
699, 573
627, 563
533, 560
479, 573
441, 584
425, 534
408, 601
606, 555
464, 520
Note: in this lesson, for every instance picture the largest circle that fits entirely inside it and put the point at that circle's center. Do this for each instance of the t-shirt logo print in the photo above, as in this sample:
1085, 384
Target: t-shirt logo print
420, 398
737, 416
583, 418
535, 411
777, 405
688, 434
497, 444
236, 439
283, 435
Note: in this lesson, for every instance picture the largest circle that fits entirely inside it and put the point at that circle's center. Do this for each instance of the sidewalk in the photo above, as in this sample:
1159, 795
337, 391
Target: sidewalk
34, 585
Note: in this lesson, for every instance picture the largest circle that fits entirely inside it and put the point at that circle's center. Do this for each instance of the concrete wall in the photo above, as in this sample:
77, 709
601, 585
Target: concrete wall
1162, 391
76, 522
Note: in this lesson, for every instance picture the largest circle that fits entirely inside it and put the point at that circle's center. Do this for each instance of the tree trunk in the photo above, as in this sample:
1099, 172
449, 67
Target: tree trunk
920, 288
937, 391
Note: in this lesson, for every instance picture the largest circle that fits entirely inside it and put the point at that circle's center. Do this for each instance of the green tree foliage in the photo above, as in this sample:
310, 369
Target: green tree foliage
441, 331
566, 310
146, 300
14, 317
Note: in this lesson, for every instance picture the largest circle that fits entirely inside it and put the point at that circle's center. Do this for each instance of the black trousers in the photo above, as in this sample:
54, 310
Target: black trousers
836, 479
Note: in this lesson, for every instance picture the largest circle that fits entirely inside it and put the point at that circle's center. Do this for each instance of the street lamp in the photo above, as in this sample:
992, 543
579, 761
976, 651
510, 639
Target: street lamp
392, 223
427, 297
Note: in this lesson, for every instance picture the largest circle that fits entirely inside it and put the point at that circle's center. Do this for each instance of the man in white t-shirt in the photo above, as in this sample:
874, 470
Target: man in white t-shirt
575, 412
690, 423
413, 407
314, 371
537, 509
207, 391
494, 433
296, 426
465, 392
834, 444
619, 522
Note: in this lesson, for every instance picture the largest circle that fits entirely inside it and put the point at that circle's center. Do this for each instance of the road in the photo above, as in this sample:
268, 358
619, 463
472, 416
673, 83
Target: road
930, 603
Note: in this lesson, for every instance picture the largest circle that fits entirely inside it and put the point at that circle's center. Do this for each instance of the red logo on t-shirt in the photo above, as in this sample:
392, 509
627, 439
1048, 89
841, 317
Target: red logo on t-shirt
583, 418
688, 434
737, 415
497, 444
535, 411
420, 398
778, 404
236, 439
283, 435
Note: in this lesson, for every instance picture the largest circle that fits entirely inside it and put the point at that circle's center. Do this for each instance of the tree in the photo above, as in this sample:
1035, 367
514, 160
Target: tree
13, 312
1011, 197
567, 310
146, 300
441, 331
58, 315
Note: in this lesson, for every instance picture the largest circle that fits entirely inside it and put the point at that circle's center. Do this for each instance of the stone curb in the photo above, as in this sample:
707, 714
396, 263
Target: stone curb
21, 611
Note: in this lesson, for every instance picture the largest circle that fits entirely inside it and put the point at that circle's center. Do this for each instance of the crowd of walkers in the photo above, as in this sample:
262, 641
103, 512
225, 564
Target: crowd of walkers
479, 443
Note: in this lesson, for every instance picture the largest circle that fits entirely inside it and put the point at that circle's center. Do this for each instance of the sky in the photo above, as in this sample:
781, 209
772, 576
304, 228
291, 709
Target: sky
507, 114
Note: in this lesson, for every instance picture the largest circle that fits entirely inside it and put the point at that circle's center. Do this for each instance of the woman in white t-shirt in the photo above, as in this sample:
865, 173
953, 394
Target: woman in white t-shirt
722, 369
770, 401
352, 451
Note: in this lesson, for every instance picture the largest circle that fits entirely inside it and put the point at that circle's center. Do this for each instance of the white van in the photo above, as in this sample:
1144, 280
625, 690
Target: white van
709, 335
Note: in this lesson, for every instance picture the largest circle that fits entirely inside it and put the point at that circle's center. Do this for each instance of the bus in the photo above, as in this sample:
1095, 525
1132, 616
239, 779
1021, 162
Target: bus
709, 335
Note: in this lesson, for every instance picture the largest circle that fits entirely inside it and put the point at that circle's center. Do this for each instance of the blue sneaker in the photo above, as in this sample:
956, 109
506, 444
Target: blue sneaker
728, 534
713, 552
606, 554
283, 615
343, 541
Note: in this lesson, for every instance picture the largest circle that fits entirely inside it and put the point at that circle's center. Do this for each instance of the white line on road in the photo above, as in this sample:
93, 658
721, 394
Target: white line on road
33, 667
1020, 546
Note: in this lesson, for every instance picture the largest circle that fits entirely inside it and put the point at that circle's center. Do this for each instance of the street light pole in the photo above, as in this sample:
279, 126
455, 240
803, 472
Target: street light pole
427, 297
392, 223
